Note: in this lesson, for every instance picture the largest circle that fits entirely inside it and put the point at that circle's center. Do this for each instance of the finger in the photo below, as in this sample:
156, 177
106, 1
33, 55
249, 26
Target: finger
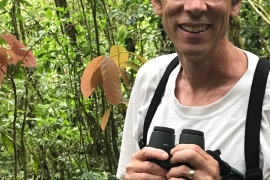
147, 167
150, 153
173, 178
144, 176
189, 156
194, 147
180, 172
202, 166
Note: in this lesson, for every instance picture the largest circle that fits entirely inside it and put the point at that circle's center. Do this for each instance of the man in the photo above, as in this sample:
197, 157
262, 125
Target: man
208, 91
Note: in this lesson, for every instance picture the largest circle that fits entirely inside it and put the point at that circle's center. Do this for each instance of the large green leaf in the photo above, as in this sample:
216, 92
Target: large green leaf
8, 143
35, 163
3, 3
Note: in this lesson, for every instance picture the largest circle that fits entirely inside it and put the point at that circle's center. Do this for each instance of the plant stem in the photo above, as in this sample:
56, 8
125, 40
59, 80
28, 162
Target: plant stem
24, 153
15, 129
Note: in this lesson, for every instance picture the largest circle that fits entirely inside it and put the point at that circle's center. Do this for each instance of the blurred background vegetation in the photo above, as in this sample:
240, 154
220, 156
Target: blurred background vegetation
48, 130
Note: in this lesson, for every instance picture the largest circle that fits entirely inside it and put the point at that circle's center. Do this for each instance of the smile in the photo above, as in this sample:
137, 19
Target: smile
194, 29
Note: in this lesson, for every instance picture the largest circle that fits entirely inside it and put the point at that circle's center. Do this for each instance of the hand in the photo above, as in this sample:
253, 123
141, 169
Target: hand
205, 166
140, 168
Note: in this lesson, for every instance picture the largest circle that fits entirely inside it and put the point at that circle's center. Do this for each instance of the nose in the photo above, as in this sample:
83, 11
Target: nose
195, 7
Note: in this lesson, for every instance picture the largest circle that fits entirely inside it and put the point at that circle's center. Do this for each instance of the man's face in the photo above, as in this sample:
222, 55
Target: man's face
194, 26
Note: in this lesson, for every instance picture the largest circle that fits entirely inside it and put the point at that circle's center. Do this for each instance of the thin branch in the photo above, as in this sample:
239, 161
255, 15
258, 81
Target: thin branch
258, 11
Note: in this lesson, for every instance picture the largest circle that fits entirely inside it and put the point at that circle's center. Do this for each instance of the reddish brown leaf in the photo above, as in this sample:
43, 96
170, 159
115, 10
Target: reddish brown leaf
3, 56
3, 70
20, 50
111, 80
96, 79
124, 76
3, 64
86, 84
105, 119
13, 56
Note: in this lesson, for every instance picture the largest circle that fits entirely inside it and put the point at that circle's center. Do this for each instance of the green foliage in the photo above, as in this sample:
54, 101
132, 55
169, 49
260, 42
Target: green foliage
55, 130
3, 4
255, 30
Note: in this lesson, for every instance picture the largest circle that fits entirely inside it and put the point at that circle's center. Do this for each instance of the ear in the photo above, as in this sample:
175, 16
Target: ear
236, 8
157, 7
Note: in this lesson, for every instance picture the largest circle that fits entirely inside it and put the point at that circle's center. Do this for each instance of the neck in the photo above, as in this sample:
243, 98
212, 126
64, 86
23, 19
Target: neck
210, 77
225, 64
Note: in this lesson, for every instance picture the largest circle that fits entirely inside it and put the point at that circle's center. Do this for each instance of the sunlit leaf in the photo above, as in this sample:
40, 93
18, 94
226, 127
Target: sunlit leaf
131, 65
6, 100
124, 75
60, 9
19, 16
20, 50
35, 163
142, 59
26, 3
105, 119
8, 143
86, 85
119, 54
49, 13
111, 80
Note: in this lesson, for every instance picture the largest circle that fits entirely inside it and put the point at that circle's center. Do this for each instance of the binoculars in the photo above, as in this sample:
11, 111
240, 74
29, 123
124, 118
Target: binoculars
164, 138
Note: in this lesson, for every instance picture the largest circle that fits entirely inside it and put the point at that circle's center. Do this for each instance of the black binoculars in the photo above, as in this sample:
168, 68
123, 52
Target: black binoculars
164, 138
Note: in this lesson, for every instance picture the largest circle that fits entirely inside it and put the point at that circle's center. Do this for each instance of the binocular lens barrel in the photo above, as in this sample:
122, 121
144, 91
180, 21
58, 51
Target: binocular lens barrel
161, 136
189, 136
165, 135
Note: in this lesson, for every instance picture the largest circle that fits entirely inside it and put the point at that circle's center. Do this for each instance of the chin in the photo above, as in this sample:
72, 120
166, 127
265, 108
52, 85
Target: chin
193, 52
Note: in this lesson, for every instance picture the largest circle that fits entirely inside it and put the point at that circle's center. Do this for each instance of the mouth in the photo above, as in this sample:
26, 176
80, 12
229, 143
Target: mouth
194, 29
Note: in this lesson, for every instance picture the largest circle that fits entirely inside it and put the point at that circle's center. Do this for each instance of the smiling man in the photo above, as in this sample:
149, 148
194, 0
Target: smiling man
207, 91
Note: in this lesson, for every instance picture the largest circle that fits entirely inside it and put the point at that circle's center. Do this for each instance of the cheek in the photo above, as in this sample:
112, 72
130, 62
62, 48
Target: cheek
170, 16
170, 26
226, 22
172, 10
222, 20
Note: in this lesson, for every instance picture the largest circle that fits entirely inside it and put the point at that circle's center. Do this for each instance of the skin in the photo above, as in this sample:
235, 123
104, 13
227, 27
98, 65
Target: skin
140, 168
200, 54
208, 55
206, 168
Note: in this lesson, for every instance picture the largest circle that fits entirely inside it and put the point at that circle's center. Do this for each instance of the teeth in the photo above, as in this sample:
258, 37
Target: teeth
194, 29
190, 29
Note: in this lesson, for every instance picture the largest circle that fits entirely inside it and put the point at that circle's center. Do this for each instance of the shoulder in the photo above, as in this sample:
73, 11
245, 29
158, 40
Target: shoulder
154, 68
253, 61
